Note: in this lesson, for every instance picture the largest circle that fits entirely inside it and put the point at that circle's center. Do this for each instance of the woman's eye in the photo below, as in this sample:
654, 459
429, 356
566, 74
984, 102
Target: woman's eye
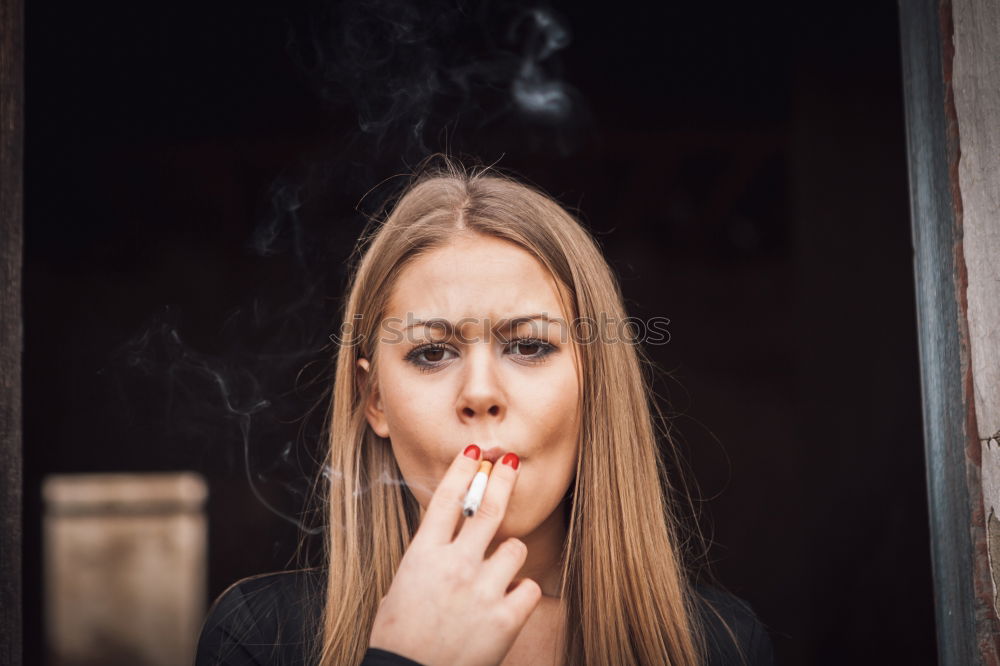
429, 357
532, 349
527, 348
433, 355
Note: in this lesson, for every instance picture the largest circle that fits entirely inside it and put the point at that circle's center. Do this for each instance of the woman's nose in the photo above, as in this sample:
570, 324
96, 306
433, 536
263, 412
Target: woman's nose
481, 396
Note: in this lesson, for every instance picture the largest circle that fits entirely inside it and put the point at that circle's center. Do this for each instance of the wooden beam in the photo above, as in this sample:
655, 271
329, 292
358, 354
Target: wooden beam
966, 624
11, 331
976, 94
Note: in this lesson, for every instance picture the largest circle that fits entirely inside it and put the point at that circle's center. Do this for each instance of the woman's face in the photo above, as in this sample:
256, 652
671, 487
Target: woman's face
440, 387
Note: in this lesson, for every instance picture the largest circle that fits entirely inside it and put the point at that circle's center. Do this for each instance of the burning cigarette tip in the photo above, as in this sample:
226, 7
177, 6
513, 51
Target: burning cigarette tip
478, 488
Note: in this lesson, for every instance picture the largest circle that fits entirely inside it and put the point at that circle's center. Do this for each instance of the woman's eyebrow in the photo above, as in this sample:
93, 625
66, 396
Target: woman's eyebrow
508, 322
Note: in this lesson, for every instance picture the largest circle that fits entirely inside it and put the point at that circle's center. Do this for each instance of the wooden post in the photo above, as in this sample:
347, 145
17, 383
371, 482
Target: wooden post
949, 53
125, 567
11, 333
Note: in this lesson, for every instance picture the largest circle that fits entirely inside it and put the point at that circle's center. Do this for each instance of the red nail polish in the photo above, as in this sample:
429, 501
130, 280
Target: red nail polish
472, 451
512, 460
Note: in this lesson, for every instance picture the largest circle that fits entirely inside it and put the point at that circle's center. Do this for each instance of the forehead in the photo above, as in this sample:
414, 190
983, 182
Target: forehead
475, 276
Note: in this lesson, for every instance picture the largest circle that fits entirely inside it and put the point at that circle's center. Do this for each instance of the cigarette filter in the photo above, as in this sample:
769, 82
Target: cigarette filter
478, 488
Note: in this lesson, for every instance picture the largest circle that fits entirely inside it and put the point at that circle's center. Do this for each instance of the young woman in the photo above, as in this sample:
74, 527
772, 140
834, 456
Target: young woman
483, 323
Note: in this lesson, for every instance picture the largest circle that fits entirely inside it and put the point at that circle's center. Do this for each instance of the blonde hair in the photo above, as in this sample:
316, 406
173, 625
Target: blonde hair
624, 581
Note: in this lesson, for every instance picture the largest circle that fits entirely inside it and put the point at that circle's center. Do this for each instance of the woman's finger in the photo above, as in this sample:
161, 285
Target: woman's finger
522, 600
478, 530
443, 511
500, 568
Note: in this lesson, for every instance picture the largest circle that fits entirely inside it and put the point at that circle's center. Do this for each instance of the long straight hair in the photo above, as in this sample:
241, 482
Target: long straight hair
623, 579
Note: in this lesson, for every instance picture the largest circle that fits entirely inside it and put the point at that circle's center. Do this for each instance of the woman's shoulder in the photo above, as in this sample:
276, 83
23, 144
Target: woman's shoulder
733, 632
265, 619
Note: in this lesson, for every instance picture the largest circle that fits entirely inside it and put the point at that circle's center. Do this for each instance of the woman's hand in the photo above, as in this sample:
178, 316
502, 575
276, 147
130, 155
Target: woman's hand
448, 605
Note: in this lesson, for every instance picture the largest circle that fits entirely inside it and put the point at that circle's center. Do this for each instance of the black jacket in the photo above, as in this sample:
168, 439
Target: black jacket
274, 619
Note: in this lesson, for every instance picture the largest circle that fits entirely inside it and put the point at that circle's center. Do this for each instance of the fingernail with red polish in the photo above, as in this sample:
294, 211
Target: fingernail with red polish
511, 459
472, 451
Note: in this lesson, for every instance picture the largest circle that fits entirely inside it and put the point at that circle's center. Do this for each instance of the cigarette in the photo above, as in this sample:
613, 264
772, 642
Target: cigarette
475, 495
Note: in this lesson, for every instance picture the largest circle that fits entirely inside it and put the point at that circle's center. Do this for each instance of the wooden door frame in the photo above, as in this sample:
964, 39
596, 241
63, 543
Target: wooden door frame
11, 328
963, 594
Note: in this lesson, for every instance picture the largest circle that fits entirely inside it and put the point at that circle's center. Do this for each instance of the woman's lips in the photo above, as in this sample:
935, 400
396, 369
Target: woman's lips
493, 454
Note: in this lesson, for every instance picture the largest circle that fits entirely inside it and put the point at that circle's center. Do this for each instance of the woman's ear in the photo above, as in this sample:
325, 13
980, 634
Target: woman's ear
373, 405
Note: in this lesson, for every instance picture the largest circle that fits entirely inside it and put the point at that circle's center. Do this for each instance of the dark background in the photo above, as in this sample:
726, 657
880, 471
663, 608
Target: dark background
193, 180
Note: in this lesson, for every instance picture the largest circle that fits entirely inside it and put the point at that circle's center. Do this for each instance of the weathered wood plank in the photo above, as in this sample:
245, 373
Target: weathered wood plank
11, 332
932, 147
976, 93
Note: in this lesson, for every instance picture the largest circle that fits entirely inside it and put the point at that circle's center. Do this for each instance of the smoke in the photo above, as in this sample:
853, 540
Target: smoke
286, 200
229, 401
406, 79
535, 93
416, 75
